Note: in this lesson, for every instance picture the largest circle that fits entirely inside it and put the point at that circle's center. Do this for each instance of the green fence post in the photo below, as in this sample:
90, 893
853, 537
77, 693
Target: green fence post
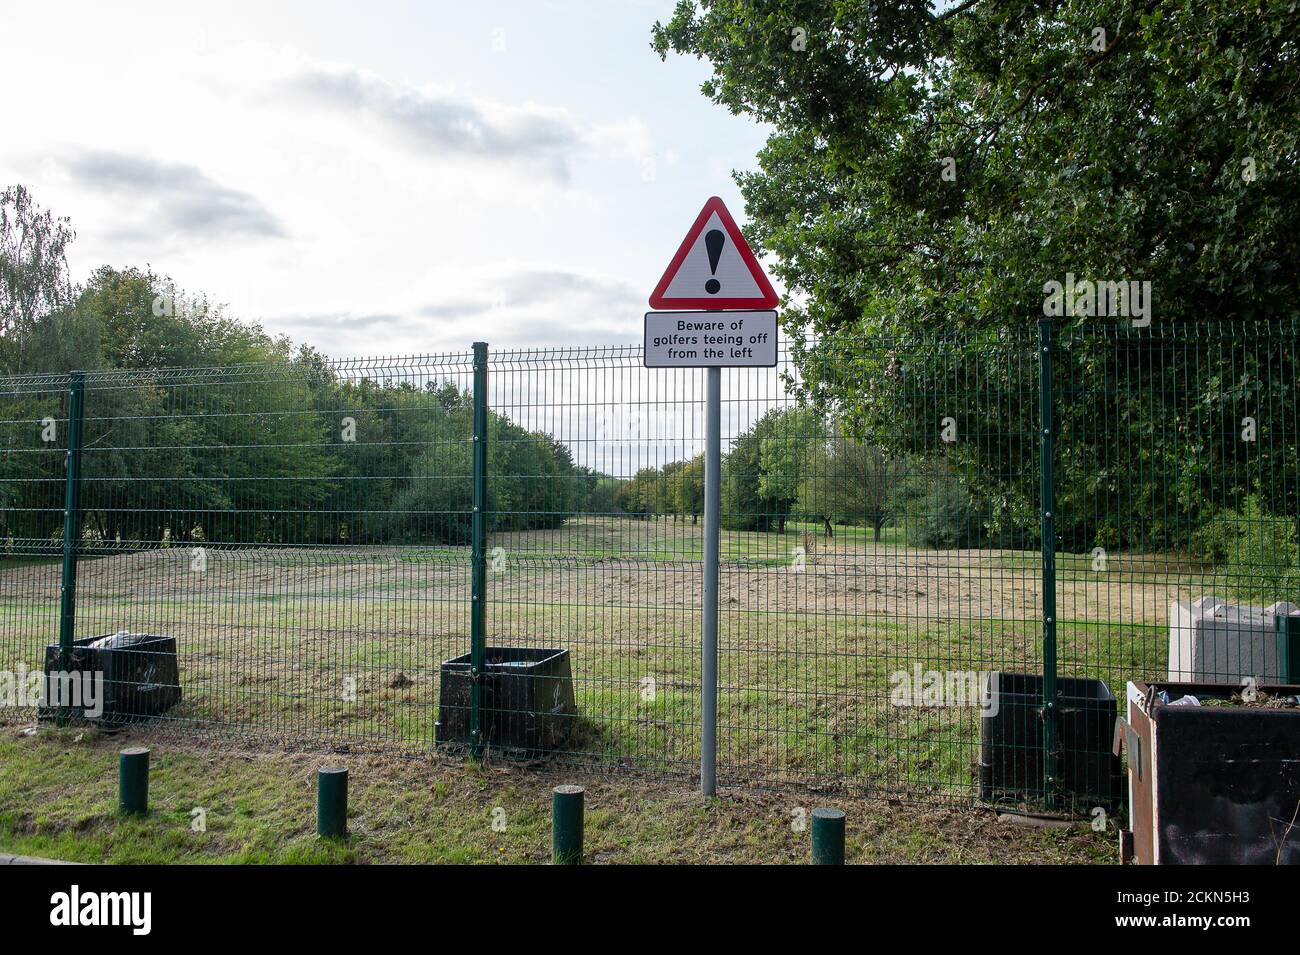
828, 836
478, 552
71, 529
1047, 505
133, 780
1288, 647
332, 802
566, 825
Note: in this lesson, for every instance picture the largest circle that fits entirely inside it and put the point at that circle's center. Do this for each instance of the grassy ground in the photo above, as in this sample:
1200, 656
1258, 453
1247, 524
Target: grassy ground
346, 644
58, 799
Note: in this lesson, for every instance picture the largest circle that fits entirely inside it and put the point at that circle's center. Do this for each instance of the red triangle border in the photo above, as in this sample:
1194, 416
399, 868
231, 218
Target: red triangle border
769, 297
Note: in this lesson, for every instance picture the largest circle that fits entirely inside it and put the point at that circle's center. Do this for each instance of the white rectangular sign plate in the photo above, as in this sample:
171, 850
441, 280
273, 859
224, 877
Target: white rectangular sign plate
710, 339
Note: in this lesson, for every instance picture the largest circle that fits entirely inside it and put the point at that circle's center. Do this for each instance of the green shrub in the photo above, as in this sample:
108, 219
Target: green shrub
947, 518
1256, 551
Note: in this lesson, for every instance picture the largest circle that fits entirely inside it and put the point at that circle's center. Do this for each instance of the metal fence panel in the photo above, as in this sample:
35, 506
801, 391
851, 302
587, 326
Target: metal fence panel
319, 538
301, 530
33, 448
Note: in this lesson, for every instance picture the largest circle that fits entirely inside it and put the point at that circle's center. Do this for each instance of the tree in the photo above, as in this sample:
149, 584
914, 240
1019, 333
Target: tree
784, 455
666, 488
1103, 138
850, 481
640, 495
604, 495
218, 464
762, 470
33, 271
688, 488
930, 172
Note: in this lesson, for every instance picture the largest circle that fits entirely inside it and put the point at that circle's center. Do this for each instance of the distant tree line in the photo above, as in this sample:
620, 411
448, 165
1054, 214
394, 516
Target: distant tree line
676, 490
255, 449
792, 464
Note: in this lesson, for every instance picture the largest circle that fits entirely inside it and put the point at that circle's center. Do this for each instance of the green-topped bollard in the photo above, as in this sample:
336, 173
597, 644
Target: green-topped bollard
332, 802
133, 780
566, 825
828, 837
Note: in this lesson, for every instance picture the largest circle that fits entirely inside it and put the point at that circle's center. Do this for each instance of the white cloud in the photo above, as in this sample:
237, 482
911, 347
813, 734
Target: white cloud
512, 306
440, 123
427, 190
167, 200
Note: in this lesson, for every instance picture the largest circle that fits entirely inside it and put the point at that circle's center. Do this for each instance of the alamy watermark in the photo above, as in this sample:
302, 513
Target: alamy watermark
971, 689
1101, 299
80, 690
133, 910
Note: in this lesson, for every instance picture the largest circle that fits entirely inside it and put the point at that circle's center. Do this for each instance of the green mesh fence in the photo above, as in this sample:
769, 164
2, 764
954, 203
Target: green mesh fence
34, 429
294, 550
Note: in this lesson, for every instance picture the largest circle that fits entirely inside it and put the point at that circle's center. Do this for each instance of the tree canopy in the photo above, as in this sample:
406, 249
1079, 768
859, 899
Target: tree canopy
930, 172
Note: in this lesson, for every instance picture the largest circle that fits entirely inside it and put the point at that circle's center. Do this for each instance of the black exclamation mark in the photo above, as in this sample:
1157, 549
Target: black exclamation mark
714, 240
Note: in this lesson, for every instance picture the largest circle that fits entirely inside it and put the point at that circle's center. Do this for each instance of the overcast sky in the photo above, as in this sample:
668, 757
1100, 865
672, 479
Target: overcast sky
378, 178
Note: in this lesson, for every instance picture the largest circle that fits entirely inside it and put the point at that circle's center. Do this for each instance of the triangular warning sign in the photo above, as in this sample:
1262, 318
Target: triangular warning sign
714, 268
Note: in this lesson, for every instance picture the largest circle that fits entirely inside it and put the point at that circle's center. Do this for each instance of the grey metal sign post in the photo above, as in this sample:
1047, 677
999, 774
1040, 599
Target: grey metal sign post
726, 320
711, 340
709, 628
